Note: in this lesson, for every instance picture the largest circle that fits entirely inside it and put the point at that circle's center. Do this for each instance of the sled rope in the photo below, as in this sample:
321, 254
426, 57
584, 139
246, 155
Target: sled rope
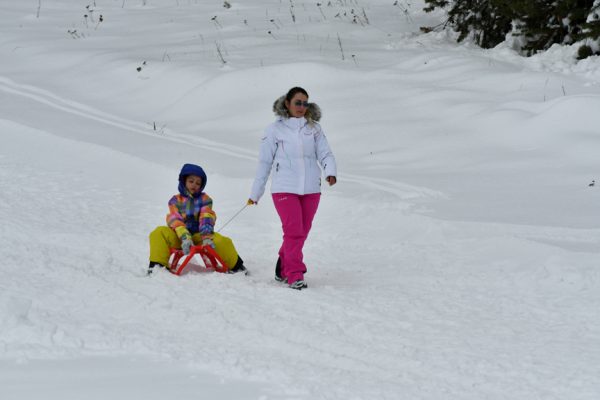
232, 218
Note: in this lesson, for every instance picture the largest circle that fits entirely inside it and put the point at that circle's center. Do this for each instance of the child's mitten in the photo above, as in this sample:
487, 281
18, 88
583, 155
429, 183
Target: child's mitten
186, 244
208, 242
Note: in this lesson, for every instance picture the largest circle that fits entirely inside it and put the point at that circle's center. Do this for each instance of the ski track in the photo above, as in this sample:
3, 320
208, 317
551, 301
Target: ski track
71, 107
41, 96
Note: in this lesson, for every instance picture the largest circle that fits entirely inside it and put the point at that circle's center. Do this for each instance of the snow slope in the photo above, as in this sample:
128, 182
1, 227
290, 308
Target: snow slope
456, 258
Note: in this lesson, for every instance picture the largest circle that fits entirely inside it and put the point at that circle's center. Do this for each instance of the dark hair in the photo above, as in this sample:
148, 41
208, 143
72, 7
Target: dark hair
293, 91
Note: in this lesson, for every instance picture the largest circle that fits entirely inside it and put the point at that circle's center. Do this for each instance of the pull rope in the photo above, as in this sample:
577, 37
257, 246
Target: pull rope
232, 218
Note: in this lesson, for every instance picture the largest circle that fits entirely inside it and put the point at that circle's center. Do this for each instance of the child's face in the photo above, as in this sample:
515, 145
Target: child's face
193, 183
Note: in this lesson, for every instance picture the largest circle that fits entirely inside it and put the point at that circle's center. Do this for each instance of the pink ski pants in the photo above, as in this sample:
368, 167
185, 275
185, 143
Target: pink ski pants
296, 213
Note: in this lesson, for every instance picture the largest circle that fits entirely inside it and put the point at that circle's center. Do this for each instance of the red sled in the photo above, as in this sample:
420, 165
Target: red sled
208, 254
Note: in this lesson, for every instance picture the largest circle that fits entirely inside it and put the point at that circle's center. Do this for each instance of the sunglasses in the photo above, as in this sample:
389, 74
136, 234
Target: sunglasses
299, 103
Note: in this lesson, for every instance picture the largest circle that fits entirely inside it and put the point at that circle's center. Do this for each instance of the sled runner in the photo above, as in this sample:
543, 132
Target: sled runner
209, 256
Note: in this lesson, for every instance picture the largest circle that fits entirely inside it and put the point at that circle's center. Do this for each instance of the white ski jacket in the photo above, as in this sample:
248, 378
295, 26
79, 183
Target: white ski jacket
291, 151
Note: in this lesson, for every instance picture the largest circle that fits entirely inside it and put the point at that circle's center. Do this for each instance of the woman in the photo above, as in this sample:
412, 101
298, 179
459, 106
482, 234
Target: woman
291, 150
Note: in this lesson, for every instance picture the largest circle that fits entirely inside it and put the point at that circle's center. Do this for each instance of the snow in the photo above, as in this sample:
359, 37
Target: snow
457, 257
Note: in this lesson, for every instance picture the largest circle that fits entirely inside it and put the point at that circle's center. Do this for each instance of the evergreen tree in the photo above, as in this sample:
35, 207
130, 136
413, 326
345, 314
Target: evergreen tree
539, 23
591, 33
545, 22
486, 21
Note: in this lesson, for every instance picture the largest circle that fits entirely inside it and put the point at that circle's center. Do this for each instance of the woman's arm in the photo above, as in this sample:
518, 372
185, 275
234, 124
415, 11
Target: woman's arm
325, 157
268, 148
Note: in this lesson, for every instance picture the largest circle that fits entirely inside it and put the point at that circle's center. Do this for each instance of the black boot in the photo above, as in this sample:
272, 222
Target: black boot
278, 276
239, 267
152, 265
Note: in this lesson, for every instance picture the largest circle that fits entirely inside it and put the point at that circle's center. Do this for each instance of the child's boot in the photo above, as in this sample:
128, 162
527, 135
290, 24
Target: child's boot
152, 265
239, 267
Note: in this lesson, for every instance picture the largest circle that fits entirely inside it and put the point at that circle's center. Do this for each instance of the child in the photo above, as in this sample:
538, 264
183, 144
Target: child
191, 221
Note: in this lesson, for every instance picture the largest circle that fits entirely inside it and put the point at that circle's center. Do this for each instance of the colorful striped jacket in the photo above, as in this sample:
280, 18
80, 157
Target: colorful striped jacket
189, 215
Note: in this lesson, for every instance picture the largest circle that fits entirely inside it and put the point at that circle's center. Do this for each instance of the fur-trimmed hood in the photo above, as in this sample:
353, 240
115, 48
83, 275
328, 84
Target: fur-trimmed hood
313, 112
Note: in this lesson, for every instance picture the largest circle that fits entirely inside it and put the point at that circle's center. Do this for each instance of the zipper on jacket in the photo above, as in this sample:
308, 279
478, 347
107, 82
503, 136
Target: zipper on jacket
277, 167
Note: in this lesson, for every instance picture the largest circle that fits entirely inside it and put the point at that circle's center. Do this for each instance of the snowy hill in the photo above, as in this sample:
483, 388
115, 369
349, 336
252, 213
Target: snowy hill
457, 258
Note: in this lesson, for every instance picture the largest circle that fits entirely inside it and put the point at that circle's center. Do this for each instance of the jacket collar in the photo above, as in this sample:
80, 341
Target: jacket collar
294, 123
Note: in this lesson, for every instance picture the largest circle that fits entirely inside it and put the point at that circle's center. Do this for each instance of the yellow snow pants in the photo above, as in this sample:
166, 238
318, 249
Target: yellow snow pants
163, 239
